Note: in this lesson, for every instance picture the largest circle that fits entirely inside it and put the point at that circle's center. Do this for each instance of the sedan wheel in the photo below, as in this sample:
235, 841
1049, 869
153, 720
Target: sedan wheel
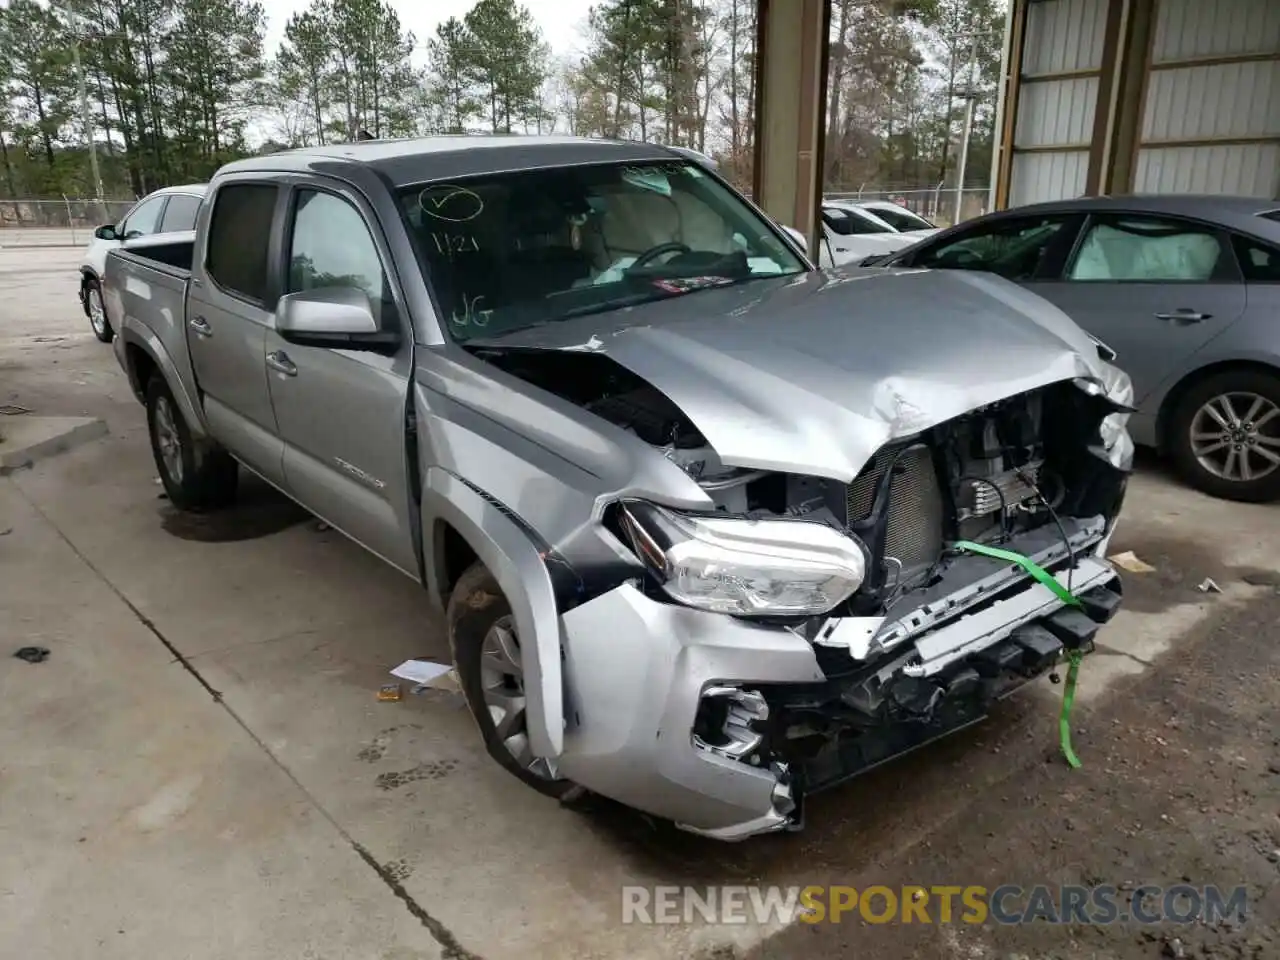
1236, 436
1224, 435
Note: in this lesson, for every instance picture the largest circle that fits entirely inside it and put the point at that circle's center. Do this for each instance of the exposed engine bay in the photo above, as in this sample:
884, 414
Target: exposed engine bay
1020, 473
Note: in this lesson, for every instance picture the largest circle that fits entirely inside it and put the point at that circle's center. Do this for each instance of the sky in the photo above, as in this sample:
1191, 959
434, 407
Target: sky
560, 20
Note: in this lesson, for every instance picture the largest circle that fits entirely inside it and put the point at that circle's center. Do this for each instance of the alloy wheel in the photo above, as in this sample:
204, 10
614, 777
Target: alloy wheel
97, 312
168, 440
1236, 436
502, 680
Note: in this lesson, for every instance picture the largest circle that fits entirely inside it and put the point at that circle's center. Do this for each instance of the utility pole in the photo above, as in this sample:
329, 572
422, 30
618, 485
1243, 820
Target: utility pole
970, 96
85, 118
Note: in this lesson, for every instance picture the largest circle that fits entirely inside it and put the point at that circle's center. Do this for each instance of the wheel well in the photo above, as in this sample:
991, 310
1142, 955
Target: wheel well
141, 368
454, 554
1179, 390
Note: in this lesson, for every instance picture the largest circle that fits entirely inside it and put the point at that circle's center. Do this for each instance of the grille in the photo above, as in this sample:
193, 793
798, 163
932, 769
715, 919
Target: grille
914, 532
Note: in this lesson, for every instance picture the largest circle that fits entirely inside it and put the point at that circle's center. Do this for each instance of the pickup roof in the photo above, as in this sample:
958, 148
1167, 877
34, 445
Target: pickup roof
707, 524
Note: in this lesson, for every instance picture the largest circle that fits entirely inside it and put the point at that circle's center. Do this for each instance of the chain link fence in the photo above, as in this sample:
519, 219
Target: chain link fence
936, 204
53, 222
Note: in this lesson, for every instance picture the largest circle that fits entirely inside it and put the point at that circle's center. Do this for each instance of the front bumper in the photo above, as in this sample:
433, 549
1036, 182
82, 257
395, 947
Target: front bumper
637, 669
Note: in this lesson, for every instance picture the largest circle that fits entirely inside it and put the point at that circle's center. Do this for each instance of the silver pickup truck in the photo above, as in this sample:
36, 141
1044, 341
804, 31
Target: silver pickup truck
708, 524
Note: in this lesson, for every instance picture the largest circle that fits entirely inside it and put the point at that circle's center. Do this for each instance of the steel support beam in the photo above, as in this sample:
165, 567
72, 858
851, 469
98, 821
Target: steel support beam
1122, 96
791, 96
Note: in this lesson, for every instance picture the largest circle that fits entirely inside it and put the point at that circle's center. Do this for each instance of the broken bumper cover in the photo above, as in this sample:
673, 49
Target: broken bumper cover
637, 671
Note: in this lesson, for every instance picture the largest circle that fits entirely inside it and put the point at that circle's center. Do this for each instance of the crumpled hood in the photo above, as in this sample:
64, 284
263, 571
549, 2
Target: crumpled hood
813, 374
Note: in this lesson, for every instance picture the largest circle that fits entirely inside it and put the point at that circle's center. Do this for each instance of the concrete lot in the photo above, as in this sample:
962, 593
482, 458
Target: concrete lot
201, 768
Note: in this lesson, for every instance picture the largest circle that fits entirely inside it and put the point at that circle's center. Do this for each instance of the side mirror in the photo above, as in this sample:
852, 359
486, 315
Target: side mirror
106, 232
334, 317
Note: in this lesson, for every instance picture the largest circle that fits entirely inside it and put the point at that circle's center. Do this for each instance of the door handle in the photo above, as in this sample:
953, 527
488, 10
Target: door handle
1185, 315
279, 361
201, 326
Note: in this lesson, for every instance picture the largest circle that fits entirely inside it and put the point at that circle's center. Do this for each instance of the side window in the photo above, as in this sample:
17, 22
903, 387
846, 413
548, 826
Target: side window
1146, 248
142, 222
180, 214
331, 247
849, 224
239, 231
1258, 263
1011, 248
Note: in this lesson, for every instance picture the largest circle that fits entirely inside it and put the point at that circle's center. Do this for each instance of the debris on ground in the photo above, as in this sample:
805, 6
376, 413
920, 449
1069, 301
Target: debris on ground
1209, 585
32, 654
420, 672
13, 410
6, 531
1129, 561
389, 692
321, 527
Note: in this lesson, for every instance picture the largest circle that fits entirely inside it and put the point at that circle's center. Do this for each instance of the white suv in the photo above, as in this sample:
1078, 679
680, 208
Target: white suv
170, 210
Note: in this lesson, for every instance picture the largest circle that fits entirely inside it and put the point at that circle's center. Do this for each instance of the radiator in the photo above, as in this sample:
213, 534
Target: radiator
914, 533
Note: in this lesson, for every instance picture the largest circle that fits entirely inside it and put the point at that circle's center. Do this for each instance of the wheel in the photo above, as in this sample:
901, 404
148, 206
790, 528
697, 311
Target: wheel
1224, 436
486, 651
96, 311
196, 476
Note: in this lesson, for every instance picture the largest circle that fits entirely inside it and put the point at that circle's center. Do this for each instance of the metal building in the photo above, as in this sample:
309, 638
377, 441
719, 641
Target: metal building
1147, 96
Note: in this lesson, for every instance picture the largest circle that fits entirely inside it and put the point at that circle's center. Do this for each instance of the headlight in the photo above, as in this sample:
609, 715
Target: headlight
726, 565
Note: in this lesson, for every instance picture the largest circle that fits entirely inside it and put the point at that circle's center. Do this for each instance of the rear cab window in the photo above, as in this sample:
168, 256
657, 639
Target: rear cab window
236, 254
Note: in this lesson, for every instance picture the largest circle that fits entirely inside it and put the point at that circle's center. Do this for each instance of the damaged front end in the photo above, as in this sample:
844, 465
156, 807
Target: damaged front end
893, 636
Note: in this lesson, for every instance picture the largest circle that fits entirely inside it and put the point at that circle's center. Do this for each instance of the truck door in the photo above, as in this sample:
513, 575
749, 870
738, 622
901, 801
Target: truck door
228, 315
341, 412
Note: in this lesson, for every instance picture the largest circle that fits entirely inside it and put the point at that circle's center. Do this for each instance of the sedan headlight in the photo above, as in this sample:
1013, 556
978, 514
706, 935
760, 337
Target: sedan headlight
741, 566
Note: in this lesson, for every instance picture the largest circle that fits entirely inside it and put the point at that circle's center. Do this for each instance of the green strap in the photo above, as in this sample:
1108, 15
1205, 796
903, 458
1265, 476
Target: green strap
1064, 718
1042, 575
1026, 563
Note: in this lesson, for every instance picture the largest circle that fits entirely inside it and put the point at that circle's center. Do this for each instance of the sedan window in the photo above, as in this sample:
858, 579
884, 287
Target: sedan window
1012, 248
1258, 263
847, 223
1147, 249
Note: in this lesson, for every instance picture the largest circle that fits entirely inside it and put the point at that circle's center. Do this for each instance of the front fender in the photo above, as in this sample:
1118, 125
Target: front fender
514, 560
132, 332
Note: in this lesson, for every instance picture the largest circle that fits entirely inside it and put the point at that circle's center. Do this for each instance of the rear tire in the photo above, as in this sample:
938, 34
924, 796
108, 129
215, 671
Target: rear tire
477, 614
1224, 436
96, 310
197, 476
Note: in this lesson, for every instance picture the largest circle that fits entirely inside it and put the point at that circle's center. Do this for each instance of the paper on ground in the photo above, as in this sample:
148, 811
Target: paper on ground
420, 671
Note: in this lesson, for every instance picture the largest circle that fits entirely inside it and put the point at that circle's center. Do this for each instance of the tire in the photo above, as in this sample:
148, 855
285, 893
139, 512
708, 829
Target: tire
1247, 408
197, 476
96, 310
475, 607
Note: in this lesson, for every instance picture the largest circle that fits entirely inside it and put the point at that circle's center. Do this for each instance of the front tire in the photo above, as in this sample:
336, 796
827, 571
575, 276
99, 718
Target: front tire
1224, 436
96, 310
196, 476
486, 651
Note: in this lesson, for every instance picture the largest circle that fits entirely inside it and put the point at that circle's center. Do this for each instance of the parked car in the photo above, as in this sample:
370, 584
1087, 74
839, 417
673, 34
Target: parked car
906, 222
851, 233
1185, 289
170, 210
698, 515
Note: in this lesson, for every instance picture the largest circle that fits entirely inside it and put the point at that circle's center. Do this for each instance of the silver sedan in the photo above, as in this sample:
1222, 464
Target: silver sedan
1184, 289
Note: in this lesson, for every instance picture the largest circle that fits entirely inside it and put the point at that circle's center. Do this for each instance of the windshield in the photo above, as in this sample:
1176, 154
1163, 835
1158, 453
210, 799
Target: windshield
515, 250
901, 219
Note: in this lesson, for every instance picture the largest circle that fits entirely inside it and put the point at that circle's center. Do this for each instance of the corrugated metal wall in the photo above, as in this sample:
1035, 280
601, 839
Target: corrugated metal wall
1206, 118
1061, 67
1212, 126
